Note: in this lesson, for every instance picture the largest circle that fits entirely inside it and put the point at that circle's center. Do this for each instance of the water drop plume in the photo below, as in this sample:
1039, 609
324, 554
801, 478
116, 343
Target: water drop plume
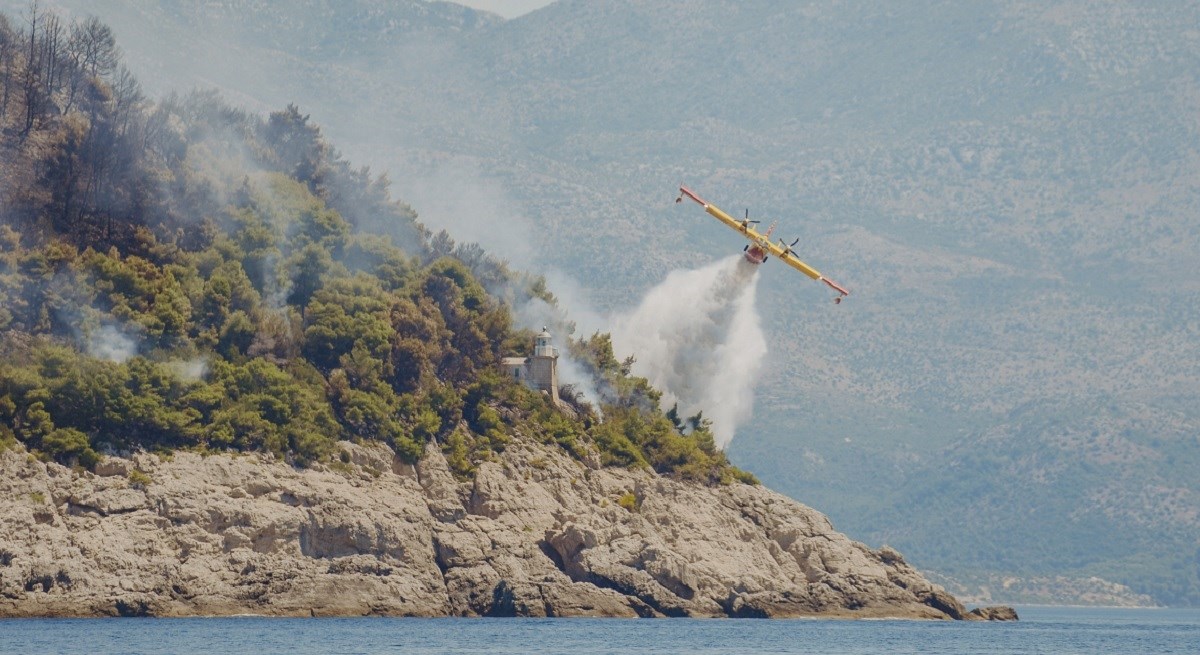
697, 337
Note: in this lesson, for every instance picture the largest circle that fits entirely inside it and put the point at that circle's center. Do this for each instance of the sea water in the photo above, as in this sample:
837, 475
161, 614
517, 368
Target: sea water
1041, 630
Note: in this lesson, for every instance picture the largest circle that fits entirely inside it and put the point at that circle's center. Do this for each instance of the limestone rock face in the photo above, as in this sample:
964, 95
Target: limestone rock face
535, 533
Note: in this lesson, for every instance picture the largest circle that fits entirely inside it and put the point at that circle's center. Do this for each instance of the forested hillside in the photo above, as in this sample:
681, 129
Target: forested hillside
183, 274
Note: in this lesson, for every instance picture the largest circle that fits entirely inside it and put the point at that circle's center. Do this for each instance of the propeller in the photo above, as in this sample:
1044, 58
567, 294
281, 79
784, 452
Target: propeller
747, 220
787, 247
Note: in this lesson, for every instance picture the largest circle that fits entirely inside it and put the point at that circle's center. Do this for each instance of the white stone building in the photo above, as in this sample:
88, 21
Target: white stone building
539, 371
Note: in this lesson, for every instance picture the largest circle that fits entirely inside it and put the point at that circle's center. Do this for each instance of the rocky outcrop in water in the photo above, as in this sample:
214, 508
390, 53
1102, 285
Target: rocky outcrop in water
999, 613
535, 533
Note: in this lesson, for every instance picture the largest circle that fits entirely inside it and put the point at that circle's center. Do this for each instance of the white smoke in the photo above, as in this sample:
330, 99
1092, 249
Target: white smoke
110, 343
192, 370
571, 372
536, 313
460, 197
696, 337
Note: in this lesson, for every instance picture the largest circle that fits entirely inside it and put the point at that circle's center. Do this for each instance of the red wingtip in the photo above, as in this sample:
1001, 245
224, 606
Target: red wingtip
836, 287
684, 191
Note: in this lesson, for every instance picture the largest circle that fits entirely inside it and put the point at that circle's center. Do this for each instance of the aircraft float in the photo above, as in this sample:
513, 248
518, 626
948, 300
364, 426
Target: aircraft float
760, 245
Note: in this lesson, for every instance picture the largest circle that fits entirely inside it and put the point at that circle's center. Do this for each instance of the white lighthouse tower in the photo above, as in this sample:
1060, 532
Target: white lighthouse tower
539, 371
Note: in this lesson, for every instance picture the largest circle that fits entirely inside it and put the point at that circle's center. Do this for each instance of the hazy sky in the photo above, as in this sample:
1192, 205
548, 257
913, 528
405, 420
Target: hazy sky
506, 8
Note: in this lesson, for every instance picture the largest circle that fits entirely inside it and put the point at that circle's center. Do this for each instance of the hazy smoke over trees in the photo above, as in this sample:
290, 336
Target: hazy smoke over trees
109, 343
697, 337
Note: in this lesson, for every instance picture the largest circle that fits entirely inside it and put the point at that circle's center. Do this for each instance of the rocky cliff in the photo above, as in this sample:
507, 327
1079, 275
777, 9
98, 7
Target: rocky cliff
535, 533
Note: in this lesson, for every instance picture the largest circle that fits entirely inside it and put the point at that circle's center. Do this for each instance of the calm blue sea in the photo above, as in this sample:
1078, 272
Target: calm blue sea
1041, 630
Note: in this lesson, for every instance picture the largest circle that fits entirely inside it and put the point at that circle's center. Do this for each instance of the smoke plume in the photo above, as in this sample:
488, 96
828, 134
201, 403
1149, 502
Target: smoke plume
533, 313
110, 343
191, 370
697, 338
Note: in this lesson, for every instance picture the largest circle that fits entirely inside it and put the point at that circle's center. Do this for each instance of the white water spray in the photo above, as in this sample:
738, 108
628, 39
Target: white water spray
697, 338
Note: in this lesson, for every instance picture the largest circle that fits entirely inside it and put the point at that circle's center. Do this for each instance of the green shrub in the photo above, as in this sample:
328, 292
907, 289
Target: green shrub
7, 439
731, 474
616, 448
139, 479
70, 447
457, 449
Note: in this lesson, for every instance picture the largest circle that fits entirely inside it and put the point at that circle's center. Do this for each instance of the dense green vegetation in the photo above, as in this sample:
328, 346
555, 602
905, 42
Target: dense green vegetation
183, 274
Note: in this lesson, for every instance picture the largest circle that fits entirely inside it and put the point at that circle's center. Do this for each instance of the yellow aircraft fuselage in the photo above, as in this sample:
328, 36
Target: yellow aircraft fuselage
760, 243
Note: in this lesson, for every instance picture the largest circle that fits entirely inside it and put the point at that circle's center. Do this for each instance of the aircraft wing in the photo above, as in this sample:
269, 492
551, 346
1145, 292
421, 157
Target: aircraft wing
793, 261
732, 222
717, 213
811, 272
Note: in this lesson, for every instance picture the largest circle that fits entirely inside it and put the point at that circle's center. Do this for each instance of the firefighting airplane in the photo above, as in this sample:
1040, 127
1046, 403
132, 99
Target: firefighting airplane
760, 244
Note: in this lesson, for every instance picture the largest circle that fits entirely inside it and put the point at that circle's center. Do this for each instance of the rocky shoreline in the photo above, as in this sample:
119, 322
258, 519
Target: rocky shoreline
535, 533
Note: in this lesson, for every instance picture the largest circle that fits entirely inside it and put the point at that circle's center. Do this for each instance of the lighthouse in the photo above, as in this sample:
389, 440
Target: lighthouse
539, 371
